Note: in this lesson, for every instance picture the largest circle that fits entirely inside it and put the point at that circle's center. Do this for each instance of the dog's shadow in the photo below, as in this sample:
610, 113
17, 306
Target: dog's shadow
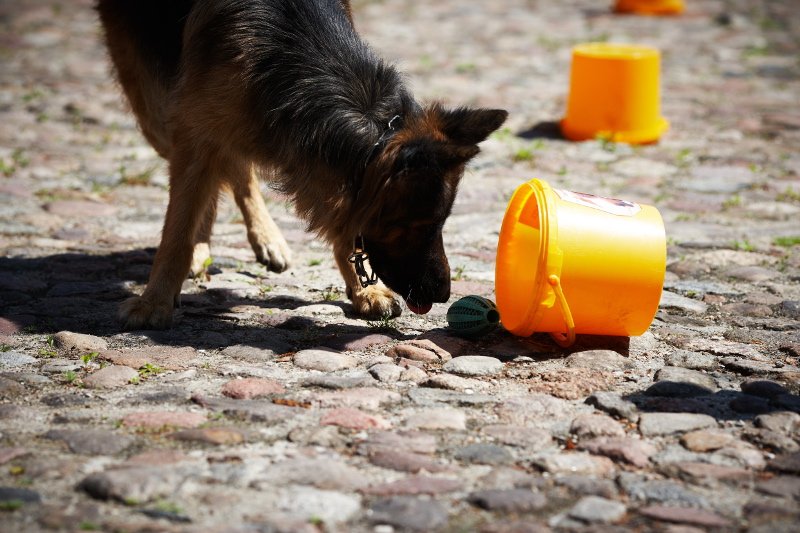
81, 292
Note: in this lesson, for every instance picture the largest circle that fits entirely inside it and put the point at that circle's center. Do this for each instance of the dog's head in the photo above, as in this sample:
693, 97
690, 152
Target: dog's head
411, 185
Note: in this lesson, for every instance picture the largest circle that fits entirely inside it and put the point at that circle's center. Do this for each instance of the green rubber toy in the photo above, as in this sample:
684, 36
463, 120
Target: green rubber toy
473, 316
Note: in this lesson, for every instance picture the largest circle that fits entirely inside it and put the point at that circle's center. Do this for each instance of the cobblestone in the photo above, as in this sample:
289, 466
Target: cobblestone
270, 407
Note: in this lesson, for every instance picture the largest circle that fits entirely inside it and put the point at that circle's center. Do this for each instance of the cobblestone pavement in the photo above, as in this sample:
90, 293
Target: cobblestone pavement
269, 407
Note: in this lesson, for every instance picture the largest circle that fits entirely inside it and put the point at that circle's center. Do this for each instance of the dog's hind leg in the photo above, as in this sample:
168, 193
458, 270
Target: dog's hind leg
194, 186
265, 237
374, 301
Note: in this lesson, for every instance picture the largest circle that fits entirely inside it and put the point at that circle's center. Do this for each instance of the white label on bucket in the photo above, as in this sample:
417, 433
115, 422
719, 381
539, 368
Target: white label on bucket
609, 205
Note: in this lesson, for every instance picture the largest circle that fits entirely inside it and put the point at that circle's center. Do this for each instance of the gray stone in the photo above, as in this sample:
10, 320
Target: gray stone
139, 484
692, 360
326, 506
603, 360
10, 389
110, 377
655, 424
588, 486
659, 491
91, 441
324, 360
614, 405
532, 439
322, 473
670, 300
59, 366
719, 179
484, 454
408, 513
684, 375
788, 463
386, 372
348, 381
595, 509
753, 274
15, 359
590, 425
780, 486
453, 382
251, 410
437, 418
23, 496
784, 422
474, 365
508, 500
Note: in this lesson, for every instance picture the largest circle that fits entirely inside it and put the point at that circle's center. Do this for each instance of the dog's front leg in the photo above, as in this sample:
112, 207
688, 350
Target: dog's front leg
193, 186
373, 301
264, 235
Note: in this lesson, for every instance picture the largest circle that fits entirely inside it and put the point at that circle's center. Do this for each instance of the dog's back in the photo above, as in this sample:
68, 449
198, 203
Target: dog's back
144, 39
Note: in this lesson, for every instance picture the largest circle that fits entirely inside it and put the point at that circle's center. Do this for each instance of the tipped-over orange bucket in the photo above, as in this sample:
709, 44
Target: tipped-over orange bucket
650, 7
614, 94
572, 263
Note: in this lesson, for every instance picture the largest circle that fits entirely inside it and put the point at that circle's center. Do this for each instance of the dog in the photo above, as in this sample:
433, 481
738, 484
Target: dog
233, 91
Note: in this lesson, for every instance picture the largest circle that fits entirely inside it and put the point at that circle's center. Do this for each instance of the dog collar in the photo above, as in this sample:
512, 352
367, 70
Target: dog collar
358, 257
394, 124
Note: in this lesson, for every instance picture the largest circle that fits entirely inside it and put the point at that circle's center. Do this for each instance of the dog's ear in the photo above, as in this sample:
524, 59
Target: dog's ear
467, 126
428, 155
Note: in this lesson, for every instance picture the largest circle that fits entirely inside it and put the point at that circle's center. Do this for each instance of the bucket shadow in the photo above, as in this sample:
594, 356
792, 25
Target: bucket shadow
684, 397
81, 292
543, 130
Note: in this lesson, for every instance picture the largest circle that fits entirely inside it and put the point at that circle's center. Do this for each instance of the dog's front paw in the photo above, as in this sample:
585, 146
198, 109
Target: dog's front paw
142, 313
376, 302
276, 256
201, 258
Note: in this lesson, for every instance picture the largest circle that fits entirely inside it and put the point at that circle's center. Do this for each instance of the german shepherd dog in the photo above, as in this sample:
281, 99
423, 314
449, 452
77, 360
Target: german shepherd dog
228, 91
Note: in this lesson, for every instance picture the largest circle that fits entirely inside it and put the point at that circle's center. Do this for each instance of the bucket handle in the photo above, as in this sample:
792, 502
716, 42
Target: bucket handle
567, 339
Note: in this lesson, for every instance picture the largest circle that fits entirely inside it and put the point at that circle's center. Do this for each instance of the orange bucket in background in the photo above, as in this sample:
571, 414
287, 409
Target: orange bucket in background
572, 263
614, 94
650, 7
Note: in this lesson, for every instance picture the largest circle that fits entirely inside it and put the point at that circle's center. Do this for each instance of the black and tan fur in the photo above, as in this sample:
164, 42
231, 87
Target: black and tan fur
230, 91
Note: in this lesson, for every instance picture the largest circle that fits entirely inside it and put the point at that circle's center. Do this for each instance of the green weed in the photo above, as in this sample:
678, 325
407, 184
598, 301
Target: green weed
789, 195
147, 370
786, 242
733, 201
743, 245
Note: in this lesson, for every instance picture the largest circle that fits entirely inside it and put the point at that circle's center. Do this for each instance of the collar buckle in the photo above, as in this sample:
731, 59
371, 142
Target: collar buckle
358, 257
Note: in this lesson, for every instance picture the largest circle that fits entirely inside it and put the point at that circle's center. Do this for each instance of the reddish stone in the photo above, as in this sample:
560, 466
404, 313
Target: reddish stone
243, 389
164, 357
164, 419
413, 485
350, 418
210, 436
9, 454
80, 208
406, 462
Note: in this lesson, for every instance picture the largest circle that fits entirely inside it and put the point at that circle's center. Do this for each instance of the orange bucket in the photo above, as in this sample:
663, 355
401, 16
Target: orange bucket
572, 263
650, 7
614, 94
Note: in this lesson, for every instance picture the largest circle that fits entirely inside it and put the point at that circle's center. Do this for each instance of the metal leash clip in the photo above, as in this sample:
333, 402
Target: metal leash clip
357, 258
